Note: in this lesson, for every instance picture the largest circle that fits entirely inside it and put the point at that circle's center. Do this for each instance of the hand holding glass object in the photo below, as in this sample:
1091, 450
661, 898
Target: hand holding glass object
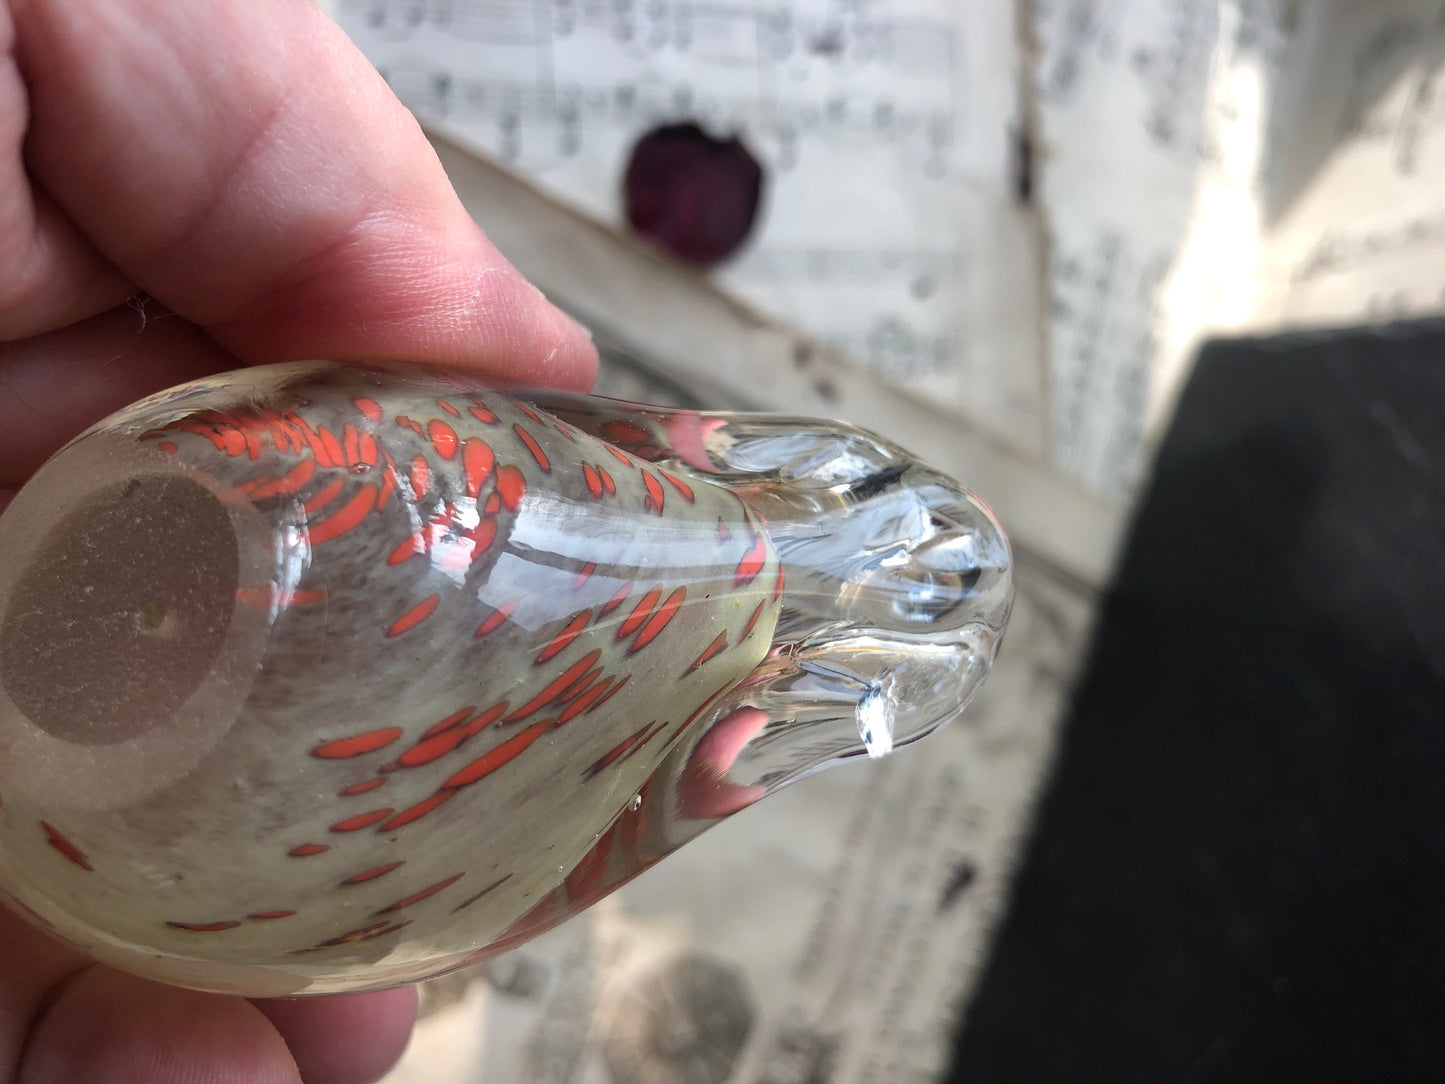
318, 677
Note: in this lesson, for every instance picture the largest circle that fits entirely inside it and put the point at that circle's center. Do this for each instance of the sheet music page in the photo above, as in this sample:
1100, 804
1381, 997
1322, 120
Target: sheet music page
1218, 166
1354, 204
1151, 112
886, 129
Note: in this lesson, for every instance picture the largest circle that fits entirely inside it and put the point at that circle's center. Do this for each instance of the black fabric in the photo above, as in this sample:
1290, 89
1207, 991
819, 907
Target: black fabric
1238, 871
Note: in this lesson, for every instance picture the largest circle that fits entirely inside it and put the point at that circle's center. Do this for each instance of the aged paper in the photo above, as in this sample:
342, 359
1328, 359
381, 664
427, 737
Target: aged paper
1353, 207
887, 131
1218, 166
1150, 115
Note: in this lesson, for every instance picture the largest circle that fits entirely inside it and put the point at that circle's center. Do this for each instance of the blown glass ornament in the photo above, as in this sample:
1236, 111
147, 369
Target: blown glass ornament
318, 677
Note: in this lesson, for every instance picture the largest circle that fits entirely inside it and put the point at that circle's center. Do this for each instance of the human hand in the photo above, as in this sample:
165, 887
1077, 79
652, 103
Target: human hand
246, 169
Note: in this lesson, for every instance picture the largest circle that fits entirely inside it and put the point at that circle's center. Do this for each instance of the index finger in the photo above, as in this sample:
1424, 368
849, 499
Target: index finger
244, 164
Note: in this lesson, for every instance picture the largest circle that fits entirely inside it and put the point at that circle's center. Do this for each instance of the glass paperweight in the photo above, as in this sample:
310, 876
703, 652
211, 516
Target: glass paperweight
318, 677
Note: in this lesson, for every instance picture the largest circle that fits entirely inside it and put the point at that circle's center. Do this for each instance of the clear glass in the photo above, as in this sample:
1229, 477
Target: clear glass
319, 677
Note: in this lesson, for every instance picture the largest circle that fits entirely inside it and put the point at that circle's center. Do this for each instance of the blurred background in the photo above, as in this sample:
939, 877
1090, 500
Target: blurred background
1160, 280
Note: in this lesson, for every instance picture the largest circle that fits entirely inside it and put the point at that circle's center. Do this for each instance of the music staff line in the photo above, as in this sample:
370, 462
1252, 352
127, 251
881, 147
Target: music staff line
912, 46
860, 265
442, 96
